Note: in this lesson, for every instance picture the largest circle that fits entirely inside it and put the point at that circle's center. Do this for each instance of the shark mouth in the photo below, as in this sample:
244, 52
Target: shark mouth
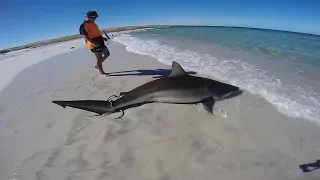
227, 95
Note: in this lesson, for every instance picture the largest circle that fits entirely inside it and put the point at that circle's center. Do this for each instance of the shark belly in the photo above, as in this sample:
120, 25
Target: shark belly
131, 100
180, 96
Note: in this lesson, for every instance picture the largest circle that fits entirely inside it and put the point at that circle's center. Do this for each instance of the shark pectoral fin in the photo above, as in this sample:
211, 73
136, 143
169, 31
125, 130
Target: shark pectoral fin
208, 104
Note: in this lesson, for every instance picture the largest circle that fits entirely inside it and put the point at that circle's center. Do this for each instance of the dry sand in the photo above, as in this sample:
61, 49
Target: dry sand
245, 139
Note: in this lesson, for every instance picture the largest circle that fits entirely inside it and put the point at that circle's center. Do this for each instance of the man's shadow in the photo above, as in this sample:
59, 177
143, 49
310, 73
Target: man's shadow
157, 73
313, 166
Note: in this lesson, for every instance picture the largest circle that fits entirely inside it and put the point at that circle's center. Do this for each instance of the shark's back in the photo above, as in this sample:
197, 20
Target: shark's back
178, 87
168, 84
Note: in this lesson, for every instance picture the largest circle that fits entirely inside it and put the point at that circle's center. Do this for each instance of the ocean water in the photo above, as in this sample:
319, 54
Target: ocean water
282, 67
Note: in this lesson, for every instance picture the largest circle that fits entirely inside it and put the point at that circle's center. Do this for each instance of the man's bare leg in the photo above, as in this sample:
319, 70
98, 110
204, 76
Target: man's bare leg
106, 54
99, 62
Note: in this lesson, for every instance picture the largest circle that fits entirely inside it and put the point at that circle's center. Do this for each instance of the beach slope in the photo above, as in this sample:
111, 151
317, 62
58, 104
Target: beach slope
246, 137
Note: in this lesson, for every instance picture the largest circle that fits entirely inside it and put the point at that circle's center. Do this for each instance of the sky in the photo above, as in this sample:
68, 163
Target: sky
26, 21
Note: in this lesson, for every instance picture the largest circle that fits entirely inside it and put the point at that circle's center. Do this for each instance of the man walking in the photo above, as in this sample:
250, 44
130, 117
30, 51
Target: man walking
94, 40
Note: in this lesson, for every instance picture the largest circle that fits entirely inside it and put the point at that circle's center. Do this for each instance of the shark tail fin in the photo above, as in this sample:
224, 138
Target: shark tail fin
99, 107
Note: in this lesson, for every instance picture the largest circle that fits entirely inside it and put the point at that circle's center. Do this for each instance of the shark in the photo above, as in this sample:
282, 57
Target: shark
178, 88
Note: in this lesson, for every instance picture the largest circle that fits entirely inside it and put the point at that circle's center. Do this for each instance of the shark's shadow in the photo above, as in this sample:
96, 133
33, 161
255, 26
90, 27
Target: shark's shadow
314, 166
177, 87
157, 73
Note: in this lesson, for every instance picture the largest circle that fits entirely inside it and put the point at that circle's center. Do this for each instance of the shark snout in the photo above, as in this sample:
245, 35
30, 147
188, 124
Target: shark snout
227, 91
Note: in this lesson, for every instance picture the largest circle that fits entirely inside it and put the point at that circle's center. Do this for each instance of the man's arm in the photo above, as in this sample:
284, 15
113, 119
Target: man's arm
88, 38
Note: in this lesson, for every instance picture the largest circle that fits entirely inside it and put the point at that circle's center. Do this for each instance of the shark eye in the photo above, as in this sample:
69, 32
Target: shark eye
215, 97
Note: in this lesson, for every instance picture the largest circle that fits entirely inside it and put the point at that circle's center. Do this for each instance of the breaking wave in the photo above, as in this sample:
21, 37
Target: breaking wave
289, 100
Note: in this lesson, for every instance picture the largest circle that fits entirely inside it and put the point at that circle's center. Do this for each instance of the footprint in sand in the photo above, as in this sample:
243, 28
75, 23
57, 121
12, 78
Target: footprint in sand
49, 125
220, 113
199, 148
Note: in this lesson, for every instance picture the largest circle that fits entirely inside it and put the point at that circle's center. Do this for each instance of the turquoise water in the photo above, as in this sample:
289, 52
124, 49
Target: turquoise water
283, 67
294, 46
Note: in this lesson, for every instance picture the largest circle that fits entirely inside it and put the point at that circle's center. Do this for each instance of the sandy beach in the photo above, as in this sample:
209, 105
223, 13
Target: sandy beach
245, 139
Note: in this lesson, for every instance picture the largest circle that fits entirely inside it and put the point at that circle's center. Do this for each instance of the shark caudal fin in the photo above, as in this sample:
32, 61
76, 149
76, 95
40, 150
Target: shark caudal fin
177, 70
99, 107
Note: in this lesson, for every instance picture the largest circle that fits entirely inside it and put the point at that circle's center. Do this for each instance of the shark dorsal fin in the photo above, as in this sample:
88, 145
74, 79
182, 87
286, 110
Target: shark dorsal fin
177, 70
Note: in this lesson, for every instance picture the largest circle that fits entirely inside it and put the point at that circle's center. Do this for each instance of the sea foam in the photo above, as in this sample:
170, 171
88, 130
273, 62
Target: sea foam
289, 100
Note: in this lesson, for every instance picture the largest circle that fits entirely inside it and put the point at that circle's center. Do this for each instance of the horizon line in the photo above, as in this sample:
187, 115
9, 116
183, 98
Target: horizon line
251, 27
130, 27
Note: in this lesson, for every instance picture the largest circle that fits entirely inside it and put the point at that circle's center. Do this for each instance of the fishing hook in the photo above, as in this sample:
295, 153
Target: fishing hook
111, 104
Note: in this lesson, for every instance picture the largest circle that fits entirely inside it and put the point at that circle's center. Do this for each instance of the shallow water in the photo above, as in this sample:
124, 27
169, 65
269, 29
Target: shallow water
283, 67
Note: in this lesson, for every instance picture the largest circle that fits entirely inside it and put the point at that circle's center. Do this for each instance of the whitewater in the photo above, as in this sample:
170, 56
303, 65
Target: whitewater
289, 99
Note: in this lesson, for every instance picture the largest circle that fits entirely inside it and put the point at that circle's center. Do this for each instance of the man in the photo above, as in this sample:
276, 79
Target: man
94, 40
